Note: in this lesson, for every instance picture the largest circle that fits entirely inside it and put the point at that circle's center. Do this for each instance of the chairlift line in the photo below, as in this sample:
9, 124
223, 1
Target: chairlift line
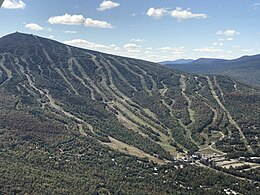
1, 2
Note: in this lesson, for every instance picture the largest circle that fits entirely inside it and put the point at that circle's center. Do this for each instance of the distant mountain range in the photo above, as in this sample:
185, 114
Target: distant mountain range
180, 61
245, 69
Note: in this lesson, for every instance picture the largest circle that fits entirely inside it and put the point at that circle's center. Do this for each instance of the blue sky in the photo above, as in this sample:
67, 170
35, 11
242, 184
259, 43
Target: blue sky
154, 30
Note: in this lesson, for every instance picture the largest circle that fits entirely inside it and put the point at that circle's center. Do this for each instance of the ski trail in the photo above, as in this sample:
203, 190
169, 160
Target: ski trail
120, 75
235, 85
219, 88
154, 87
53, 66
8, 72
70, 64
231, 120
89, 80
142, 79
188, 132
183, 86
45, 93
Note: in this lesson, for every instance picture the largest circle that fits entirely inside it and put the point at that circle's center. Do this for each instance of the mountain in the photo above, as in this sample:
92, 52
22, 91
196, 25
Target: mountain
76, 121
245, 69
180, 61
207, 61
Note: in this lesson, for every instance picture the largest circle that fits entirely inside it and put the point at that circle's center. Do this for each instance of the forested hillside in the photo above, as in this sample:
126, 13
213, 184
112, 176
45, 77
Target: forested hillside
75, 120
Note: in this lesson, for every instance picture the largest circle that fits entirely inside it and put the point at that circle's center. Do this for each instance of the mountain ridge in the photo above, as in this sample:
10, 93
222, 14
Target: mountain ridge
245, 69
179, 61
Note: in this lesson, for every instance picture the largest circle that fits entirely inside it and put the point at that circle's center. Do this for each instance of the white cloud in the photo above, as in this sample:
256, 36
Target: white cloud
156, 13
165, 49
33, 26
218, 44
96, 23
70, 32
131, 46
115, 47
181, 14
226, 39
178, 50
230, 39
14, 4
149, 52
67, 19
112, 48
228, 32
173, 50
105, 5
255, 6
208, 50
134, 51
130, 49
137, 40
85, 44
247, 50
178, 13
